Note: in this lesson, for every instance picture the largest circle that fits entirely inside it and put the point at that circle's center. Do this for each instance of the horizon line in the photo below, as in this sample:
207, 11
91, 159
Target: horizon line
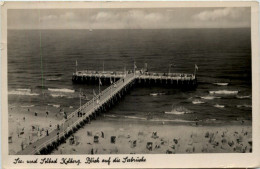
128, 28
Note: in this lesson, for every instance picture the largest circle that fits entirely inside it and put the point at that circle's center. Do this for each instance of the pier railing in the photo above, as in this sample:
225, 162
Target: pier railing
140, 74
128, 79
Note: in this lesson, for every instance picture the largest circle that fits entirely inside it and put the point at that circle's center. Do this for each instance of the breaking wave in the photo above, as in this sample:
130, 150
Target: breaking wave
109, 115
224, 92
243, 97
157, 94
27, 106
54, 105
57, 95
53, 79
179, 111
24, 92
197, 102
175, 120
210, 97
221, 84
134, 117
219, 106
62, 90
244, 105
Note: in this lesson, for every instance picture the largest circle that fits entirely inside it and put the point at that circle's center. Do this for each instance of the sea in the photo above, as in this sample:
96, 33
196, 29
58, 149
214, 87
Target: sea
41, 64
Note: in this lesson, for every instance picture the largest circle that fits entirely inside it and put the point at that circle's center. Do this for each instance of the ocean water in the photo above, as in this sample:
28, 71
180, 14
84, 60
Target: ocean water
41, 63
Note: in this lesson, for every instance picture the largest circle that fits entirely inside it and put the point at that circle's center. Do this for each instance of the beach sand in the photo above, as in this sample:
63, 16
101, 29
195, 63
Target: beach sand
24, 127
132, 136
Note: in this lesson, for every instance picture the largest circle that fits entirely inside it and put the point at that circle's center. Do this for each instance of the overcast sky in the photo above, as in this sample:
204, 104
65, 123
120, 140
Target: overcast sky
152, 18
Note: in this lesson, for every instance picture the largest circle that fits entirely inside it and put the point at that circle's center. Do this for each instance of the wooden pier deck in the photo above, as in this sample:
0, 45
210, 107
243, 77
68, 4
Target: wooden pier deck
73, 122
170, 79
120, 83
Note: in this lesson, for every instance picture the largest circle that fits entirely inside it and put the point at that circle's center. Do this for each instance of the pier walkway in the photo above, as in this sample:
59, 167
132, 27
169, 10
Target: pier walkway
172, 79
73, 122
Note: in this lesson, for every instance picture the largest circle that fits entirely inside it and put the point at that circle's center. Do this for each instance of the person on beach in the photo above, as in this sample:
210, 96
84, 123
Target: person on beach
65, 115
47, 132
47, 113
35, 114
22, 145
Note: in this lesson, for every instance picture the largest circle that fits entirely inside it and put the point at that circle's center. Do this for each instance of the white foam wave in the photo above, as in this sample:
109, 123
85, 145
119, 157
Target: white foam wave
219, 106
27, 106
22, 92
156, 94
134, 117
243, 97
62, 90
57, 95
179, 111
175, 120
210, 97
54, 105
53, 78
174, 112
211, 119
244, 105
221, 84
197, 102
224, 92
110, 116
25, 90
71, 107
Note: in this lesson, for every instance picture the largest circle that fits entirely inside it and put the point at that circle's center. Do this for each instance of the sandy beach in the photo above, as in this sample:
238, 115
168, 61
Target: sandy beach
123, 136
25, 127
132, 136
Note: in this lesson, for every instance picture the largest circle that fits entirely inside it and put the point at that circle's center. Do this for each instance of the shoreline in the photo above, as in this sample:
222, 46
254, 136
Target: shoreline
132, 138
114, 126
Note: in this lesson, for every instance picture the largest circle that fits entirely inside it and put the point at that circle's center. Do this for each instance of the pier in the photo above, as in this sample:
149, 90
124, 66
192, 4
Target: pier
171, 80
119, 84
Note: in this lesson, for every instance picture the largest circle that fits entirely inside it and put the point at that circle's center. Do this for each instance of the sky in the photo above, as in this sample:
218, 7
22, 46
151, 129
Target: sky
132, 18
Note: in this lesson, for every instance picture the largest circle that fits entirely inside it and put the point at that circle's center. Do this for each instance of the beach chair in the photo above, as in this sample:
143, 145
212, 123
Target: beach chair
154, 135
89, 133
96, 139
10, 139
133, 144
72, 141
149, 146
113, 139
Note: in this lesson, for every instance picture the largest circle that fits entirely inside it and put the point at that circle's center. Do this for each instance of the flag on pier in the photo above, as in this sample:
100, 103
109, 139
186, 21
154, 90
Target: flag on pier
135, 65
196, 67
76, 66
100, 83
94, 93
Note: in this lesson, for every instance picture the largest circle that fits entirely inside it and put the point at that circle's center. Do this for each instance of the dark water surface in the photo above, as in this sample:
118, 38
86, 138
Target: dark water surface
222, 55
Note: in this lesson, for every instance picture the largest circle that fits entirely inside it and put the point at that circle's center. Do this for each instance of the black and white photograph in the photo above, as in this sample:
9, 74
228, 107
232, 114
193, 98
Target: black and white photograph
101, 81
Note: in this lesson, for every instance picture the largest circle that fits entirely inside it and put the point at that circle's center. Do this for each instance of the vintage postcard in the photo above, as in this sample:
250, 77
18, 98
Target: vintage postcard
130, 84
